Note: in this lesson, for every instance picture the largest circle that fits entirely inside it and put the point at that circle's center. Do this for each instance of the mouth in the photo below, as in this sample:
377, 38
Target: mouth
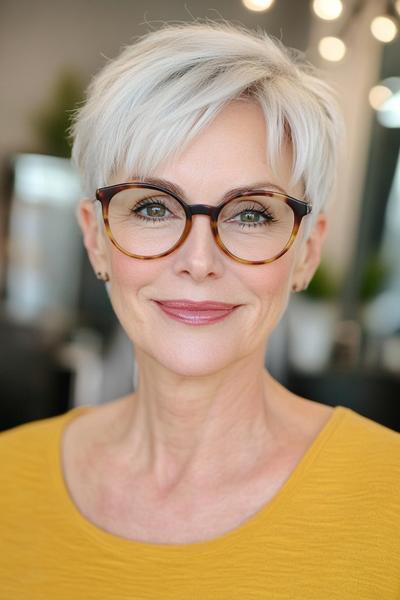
196, 313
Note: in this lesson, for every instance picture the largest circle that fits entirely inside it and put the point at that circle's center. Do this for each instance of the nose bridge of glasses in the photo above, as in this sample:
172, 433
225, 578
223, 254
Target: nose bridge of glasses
206, 211
203, 209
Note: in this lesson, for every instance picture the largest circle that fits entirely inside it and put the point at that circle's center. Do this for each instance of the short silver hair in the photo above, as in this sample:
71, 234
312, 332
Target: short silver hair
162, 90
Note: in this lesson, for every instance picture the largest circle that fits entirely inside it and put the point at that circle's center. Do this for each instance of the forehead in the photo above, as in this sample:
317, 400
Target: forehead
178, 190
229, 154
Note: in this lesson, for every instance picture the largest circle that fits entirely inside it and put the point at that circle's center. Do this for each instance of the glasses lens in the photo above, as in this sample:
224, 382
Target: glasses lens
256, 227
146, 222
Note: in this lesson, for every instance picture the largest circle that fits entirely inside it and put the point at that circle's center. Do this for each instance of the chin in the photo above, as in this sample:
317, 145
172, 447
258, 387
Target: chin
196, 361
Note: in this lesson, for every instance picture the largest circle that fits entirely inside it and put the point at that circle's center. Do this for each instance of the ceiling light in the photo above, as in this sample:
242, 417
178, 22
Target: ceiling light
378, 96
388, 111
384, 28
332, 48
258, 5
327, 9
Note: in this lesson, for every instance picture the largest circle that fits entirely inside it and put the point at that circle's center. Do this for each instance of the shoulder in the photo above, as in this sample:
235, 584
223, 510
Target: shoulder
365, 457
25, 473
24, 438
359, 451
369, 436
15, 439
29, 454
24, 450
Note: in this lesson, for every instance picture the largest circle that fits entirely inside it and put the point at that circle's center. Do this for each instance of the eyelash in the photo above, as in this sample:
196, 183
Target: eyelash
264, 212
149, 202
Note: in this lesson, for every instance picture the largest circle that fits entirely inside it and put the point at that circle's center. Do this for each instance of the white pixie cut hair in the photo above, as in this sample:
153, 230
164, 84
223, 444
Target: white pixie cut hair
161, 91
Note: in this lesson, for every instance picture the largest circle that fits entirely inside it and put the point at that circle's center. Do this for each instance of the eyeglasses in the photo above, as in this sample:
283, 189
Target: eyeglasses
254, 227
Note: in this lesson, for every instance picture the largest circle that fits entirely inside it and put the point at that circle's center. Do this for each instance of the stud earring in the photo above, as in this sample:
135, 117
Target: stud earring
297, 288
104, 277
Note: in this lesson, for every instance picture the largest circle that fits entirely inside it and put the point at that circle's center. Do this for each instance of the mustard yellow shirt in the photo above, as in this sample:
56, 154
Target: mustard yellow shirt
332, 531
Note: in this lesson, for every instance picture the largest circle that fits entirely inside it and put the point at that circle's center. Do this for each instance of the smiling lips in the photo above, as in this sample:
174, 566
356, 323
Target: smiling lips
196, 313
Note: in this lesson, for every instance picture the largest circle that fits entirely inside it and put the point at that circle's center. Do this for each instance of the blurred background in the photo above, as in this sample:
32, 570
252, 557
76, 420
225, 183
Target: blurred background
61, 345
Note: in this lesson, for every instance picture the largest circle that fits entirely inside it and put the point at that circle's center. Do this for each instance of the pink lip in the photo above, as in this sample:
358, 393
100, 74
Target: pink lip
190, 305
196, 313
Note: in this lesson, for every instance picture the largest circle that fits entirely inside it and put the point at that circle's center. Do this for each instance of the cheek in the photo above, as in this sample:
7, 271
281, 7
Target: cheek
132, 284
272, 279
129, 277
131, 274
270, 286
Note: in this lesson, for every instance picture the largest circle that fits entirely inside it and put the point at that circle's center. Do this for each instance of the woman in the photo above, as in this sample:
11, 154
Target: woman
211, 480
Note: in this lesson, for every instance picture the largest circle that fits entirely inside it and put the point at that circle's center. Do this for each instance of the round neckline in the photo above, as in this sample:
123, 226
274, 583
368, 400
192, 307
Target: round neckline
125, 545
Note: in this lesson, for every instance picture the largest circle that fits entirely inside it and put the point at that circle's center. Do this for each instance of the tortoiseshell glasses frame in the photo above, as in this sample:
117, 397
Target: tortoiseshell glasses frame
300, 209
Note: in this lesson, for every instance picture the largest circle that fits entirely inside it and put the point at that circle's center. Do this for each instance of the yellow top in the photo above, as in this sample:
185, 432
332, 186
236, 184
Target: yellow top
331, 531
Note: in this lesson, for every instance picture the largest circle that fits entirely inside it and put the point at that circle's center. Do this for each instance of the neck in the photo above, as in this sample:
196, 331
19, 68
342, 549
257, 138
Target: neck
199, 429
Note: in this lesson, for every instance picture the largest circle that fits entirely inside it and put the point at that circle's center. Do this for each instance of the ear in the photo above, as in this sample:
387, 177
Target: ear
310, 253
93, 238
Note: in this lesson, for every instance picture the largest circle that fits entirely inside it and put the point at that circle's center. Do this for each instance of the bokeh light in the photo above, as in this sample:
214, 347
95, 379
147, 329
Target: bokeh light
384, 28
332, 48
258, 5
327, 9
378, 96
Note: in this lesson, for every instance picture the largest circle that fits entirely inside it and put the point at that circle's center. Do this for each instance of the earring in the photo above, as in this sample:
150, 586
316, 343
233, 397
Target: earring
297, 288
103, 278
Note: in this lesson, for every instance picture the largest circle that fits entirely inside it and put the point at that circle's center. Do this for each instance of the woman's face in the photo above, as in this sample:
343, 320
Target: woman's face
229, 153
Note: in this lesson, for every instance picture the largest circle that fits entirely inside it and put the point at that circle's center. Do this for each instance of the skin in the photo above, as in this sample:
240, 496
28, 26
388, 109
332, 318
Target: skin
206, 414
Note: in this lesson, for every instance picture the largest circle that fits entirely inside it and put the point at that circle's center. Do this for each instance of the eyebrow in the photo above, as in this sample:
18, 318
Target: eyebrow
237, 190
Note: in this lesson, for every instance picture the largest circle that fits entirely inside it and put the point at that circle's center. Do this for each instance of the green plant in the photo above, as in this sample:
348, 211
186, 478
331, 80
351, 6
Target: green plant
53, 120
323, 285
373, 277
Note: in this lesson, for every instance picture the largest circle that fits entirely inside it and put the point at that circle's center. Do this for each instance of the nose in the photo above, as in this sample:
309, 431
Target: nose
199, 254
